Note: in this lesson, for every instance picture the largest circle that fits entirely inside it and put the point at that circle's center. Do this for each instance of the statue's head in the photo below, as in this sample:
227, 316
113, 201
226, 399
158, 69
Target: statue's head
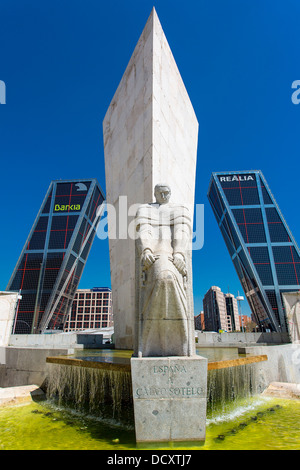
162, 193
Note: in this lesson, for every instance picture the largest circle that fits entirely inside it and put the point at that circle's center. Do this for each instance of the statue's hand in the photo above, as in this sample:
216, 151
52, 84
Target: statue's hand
148, 259
179, 262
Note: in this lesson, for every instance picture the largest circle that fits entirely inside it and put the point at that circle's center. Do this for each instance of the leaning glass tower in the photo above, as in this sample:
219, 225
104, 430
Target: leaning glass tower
51, 263
261, 246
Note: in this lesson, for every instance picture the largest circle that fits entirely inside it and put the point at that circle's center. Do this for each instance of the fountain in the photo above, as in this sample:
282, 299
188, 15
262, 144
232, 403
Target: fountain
99, 382
90, 406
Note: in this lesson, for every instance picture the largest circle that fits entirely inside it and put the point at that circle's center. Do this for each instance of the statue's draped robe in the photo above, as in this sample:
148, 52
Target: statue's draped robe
164, 309
291, 301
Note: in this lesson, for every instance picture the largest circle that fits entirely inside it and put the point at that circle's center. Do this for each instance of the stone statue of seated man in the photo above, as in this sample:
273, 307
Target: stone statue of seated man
164, 306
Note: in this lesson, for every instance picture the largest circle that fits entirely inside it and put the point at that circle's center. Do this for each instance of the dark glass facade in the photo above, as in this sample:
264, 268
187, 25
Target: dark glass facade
261, 246
230, 309
48, 271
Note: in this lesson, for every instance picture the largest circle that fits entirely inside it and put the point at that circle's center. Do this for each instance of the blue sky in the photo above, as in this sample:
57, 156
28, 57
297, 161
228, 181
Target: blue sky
62, 61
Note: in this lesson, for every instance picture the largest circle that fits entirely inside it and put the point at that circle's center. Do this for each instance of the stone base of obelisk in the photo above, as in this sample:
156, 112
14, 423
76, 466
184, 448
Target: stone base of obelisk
169, 396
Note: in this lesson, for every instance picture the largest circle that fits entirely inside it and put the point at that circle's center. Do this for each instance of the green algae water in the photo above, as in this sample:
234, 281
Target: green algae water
256, 423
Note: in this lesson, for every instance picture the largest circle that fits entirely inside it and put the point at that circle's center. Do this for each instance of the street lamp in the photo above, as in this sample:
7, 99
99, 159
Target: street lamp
239, 298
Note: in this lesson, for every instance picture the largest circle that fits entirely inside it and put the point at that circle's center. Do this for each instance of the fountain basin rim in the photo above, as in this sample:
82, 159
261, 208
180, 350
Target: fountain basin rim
69, 361
65, 360
236, 362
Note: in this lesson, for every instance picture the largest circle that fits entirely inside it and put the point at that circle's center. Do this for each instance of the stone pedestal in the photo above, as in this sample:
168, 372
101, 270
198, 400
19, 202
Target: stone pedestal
169, 396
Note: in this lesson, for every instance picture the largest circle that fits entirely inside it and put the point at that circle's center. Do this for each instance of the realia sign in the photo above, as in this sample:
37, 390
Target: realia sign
236, 178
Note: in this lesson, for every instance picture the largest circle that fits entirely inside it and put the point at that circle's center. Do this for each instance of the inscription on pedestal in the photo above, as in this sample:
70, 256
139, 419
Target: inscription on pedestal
169, 398
189, 390
169, 392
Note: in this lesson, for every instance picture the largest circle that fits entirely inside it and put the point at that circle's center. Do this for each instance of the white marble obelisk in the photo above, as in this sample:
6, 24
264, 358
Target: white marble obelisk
150, 136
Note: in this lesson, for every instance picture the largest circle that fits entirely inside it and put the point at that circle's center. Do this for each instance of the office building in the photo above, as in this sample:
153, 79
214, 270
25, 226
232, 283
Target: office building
261, 246
91, 308
199, 321
247, 322
51, 263
220, 311
232, 313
